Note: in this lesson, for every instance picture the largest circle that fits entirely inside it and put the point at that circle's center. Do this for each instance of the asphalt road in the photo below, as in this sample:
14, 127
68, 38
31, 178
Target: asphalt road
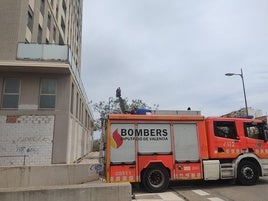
209, 191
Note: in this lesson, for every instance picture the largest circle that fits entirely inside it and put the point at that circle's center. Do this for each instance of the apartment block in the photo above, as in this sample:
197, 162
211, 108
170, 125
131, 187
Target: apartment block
45, 117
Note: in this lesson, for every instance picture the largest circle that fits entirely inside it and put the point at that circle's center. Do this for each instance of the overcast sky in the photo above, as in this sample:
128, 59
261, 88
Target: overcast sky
175, 53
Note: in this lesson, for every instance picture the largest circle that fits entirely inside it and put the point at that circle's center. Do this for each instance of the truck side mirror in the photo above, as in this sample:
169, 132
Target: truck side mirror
265, 136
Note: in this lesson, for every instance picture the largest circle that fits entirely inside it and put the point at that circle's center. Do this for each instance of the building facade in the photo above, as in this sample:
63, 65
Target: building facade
254, 113
45, 117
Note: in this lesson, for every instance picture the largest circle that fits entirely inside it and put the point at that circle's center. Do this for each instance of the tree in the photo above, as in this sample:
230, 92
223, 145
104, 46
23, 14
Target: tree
117, 106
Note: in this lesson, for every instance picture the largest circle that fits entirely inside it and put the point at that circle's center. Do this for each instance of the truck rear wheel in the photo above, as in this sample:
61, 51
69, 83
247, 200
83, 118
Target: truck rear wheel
155, 179
247, 173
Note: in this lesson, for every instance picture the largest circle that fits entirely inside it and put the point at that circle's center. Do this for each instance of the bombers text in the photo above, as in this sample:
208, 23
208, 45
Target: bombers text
143, 132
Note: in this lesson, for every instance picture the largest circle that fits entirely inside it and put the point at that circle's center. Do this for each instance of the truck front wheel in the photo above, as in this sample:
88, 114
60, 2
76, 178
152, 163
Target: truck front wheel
155, 179
247, 173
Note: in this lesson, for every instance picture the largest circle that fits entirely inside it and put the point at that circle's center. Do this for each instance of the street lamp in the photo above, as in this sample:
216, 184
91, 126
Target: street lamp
241, 75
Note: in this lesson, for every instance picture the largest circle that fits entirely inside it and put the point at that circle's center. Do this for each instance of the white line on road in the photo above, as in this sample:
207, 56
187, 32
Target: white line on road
215, 199
200, 192
166, 196
203, 193
170, 196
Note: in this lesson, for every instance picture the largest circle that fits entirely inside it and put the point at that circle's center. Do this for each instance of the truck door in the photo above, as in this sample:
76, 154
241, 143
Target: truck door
156, 139
227, 143
255, 138
122, 164
122, 144
186, 142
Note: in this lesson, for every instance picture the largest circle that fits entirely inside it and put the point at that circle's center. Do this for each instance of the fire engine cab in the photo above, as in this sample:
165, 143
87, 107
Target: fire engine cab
157, 148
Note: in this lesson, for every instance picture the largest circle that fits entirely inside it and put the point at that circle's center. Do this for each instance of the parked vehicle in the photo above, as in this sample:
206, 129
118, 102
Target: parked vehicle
156, 149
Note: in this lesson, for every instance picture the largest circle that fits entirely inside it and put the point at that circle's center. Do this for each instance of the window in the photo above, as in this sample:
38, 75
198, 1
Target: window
76, 108
64, 8
49, 21
254, 130
62, 25
30, 19
57, 13
225, 129
54, 34
82, 113
39, 35
72, 99
42, 7
79, 113
86, 123
11, 93
48, 93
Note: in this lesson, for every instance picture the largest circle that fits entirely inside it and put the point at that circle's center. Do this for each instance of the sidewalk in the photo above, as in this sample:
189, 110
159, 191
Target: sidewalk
92, 157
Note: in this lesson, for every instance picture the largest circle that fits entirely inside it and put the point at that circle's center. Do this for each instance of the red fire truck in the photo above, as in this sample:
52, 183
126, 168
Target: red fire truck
155, 149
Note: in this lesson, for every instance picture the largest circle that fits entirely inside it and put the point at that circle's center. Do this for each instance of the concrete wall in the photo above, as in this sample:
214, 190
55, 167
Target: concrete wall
26, 139
85, 192
33, 176
79, 142
9, 12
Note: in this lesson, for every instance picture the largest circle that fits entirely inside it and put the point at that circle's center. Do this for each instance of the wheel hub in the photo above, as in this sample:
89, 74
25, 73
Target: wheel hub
156, 178
248, 173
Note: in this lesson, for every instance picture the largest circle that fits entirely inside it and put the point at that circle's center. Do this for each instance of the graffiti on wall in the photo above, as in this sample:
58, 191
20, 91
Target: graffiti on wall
96, 168
26, 135
24, 150
44, 139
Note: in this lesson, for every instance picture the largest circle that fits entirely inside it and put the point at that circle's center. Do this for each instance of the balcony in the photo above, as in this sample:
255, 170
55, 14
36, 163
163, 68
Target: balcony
50, 53
44, 52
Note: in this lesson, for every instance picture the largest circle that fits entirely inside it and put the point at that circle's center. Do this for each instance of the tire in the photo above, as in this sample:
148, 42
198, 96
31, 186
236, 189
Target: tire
155, 179
247, 173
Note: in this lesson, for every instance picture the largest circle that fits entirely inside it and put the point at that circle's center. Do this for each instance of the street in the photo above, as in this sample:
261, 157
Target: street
208, 191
